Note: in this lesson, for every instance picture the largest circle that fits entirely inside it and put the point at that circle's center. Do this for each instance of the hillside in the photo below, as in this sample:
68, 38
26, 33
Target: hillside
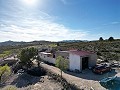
8, 45
14, 43
107, 50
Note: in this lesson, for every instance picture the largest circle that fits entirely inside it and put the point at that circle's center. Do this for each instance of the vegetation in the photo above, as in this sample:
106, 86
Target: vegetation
106, 50
100, 39
5, 53
26, 55
58, 44
61, 63
38, 60
10, 87
4, 71
53, 45
111, 39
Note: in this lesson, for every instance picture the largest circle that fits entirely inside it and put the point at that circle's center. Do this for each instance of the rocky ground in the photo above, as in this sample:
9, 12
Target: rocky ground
44, 84
28, 82
86, 80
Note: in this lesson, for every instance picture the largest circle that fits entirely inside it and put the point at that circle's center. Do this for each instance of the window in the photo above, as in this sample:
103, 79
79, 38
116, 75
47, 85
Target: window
48, 55
53, 55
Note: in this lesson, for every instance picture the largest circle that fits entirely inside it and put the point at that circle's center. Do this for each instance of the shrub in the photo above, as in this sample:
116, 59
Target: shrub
10, 87
4, 71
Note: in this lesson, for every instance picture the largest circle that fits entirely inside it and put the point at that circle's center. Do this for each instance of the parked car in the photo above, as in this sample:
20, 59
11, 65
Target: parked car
115, 64
100, 69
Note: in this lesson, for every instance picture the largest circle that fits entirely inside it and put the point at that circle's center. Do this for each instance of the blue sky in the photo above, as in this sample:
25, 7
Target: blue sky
56, 20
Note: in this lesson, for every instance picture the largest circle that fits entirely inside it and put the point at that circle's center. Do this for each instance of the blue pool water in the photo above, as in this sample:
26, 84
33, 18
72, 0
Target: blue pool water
111, 85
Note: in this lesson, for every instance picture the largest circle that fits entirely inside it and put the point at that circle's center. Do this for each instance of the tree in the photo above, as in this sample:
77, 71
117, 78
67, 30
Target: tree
4, 70
111, 39
100, 39
61, 63
27, 54
38, 60
58, 44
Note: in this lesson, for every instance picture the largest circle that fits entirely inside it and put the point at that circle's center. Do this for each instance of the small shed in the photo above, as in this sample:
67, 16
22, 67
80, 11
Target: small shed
80, 60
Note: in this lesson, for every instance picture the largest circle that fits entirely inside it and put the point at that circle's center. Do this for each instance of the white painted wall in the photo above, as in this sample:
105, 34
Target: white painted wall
46, 58
74, 62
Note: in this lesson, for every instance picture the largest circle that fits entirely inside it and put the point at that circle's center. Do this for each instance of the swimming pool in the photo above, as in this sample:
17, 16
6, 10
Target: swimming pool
113, 84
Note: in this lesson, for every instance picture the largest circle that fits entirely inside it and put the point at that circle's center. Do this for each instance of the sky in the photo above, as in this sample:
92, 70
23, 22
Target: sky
57, 20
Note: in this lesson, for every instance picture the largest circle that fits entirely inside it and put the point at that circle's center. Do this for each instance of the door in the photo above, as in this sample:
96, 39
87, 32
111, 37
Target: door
84, 63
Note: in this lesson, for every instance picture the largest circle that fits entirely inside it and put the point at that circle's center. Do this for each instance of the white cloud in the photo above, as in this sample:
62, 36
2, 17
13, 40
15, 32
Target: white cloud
40, 30
112, 23
37, 25
115, 22
2, 25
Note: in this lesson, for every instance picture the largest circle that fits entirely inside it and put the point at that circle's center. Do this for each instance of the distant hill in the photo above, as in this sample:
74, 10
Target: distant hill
11, 43
14, 43
74, 41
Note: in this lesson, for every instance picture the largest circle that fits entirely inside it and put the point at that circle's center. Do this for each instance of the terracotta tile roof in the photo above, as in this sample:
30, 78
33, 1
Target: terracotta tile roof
81, 53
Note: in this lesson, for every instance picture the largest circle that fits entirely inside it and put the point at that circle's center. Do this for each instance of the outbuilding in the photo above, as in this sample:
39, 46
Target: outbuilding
79, 60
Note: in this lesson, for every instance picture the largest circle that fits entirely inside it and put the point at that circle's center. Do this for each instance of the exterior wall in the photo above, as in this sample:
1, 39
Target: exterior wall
45, 57
74, 62
92, 60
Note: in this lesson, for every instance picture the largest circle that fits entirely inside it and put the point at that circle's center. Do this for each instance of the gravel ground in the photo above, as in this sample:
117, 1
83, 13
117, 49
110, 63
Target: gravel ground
44, 84
28, 82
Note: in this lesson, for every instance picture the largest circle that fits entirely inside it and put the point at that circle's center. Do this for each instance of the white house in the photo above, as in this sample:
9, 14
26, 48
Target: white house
79, 60
48, 57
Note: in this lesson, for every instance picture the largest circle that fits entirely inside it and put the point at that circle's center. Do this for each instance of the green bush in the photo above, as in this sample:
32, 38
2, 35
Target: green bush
10, 87
4, 71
